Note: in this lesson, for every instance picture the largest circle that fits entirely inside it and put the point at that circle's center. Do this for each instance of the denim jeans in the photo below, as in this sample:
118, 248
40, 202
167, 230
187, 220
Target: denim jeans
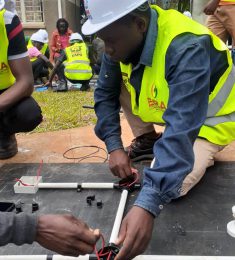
233, 55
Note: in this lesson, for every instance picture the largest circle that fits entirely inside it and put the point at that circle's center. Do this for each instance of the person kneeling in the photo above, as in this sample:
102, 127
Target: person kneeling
40, 63
77, 64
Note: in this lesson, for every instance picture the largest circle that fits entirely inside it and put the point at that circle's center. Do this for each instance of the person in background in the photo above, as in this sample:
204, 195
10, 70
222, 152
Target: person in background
221, 20
19, 112
59, 41
45, 48
76, 62
40, 63
180, 75
97, 54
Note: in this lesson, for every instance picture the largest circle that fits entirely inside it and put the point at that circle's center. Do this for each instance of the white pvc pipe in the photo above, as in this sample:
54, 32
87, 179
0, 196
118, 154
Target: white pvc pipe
61, 257
119, 215
42, 257
140, 257
24, 257
71, 185
97, 185
74, 185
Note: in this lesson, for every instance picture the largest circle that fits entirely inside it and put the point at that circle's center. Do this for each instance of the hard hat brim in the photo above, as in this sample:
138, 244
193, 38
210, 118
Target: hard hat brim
89, 28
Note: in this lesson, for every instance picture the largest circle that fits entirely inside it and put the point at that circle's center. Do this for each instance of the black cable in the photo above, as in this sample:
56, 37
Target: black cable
90, 155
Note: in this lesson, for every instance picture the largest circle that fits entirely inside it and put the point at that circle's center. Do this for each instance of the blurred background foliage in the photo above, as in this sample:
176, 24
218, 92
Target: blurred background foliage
180, 5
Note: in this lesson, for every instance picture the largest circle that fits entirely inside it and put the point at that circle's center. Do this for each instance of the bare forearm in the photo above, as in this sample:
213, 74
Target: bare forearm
47, 61
54, 70
210, 8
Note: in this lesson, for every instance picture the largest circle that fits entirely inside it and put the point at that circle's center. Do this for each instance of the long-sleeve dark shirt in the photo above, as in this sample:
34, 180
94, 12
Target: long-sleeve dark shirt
17, 228
193, 67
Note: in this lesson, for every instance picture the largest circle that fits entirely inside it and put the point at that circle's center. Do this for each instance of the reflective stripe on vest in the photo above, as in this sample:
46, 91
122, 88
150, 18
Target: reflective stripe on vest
43, 50
77, 71
221, 97
76, 61
6, 77
219, 127
77, 65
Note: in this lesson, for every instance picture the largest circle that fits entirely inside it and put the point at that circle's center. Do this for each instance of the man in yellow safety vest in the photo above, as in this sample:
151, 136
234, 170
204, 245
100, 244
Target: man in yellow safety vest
76, 63
162, 68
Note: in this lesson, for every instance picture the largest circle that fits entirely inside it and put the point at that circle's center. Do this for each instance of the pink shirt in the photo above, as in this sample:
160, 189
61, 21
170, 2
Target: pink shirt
64, 41
33, 52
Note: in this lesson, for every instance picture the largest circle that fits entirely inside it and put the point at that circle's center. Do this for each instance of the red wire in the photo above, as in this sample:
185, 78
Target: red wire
38, 174
134, 172
127, 184
96, 251
39, 169
110, 253
100, 254
24, 184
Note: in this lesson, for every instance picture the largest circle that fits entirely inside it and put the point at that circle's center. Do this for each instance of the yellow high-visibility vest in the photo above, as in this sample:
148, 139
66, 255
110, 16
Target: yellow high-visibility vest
77, 65
219, 126
6, 77
43, 50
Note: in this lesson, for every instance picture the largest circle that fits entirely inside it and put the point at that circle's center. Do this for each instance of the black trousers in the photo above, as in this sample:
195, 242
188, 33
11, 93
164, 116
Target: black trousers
40, 69
22, 117
60, 72
83, 82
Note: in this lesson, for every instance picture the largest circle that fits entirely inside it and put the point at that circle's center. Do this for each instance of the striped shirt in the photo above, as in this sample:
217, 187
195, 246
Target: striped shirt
17, 46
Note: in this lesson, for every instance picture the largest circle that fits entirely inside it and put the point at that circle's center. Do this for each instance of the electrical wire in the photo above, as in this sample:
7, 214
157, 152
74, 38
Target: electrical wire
137, 177
90, 155
100, 254
38, 174
39, 169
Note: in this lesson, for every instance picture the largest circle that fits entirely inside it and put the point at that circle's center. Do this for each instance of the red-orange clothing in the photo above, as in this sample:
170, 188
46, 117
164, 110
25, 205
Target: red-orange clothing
56, 45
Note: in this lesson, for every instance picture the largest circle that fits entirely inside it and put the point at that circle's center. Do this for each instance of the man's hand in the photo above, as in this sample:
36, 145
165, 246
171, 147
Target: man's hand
120, 164
135, 233
210, 8
66, 235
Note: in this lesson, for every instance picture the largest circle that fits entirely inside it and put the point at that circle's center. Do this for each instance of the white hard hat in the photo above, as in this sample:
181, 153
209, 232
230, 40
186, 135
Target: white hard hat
187, 13
75, 36
2, 3
101, 13
37, 37
9, 5
44, 34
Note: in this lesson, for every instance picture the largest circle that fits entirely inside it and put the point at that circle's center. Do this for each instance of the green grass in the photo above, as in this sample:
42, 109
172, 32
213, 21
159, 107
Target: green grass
64, 110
